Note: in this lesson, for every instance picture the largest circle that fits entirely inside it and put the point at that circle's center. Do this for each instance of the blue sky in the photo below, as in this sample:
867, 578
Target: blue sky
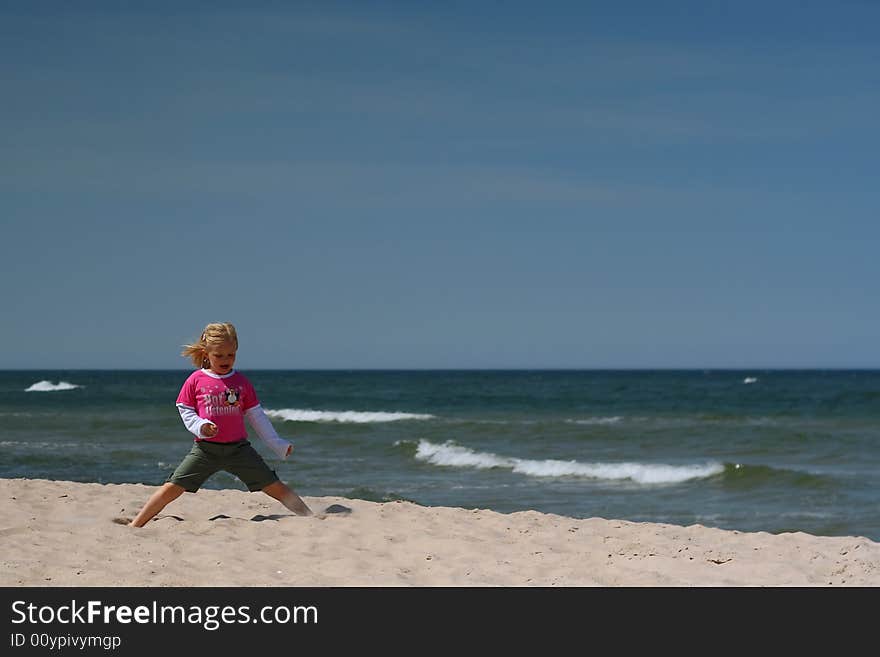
433, 185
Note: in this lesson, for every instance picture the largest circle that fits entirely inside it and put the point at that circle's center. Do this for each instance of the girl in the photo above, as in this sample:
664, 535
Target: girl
213, 403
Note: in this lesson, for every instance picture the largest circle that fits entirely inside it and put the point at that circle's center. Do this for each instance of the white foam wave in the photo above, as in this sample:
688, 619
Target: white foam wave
597, 420
349, 417
48, 386
449, 454
750, 379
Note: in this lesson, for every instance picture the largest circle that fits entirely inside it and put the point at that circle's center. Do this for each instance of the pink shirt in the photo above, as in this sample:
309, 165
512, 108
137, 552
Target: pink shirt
221, 399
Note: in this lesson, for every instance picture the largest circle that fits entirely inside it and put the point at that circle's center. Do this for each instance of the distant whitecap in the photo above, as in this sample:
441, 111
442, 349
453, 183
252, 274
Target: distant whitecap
346, 417
597, 420
48, 386
750, 379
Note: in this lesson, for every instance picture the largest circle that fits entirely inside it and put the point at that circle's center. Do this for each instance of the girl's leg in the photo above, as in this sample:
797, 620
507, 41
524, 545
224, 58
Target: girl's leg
284, 494
168, 492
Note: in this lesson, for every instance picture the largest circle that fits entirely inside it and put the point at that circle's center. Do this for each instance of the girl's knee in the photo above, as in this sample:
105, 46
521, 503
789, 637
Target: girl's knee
275, 488
171, 491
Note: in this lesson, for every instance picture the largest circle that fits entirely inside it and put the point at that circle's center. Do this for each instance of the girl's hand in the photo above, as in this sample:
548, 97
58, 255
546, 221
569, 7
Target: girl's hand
209, 430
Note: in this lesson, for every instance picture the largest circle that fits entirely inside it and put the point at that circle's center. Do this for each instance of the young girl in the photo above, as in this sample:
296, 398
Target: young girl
213, 403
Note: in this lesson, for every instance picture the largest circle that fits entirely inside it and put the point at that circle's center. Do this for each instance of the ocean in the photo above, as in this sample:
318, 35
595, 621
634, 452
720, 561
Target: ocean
757, 450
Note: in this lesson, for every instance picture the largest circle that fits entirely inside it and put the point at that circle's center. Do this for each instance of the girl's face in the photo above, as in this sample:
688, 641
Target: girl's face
221, 357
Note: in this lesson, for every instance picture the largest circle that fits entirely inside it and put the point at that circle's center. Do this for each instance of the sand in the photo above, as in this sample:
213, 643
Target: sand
59, 533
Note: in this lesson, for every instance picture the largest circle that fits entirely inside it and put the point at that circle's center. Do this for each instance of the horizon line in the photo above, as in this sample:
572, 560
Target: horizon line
764, 368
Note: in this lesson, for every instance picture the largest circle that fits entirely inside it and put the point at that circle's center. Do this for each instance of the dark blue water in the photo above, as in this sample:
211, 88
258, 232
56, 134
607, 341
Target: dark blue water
749, 450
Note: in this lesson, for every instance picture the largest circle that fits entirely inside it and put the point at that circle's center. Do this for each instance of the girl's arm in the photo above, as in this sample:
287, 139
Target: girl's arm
264, 429
192, 421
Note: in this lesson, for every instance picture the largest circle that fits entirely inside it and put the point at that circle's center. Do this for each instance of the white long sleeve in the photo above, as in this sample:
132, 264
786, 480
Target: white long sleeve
191, 420
262, 425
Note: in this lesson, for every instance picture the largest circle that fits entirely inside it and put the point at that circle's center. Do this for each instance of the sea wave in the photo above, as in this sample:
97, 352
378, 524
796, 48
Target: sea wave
452, 455
48, 386
597, 420
757, 475
345, 417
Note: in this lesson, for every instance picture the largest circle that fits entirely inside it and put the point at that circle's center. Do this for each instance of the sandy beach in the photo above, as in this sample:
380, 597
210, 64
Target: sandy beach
59, 533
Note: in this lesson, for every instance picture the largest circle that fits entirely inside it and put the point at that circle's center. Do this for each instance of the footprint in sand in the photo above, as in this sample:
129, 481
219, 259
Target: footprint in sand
337, 508
260, 518
122, 520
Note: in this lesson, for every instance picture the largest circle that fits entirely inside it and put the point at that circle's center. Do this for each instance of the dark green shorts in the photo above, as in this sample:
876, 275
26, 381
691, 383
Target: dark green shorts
204, 459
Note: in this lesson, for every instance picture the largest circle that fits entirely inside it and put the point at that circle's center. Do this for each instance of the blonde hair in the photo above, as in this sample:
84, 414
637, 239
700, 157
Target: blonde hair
214, 334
